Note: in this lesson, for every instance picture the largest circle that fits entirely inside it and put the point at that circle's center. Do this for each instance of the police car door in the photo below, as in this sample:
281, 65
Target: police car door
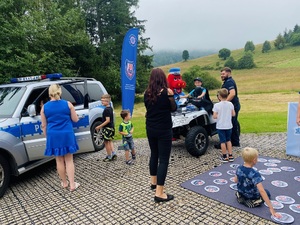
31, 132
76, 93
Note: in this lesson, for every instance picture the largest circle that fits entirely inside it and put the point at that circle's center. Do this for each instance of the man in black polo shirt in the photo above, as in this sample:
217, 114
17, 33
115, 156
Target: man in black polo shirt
230, 85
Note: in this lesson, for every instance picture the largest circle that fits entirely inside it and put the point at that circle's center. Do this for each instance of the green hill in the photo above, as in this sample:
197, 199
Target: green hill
264, 91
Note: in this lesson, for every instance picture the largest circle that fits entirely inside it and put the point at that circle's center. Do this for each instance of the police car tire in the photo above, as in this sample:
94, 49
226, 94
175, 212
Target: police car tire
5, 175
95, 137
196, 141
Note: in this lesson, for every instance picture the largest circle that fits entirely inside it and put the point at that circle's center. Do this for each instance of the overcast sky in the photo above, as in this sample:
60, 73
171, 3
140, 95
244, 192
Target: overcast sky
215, 24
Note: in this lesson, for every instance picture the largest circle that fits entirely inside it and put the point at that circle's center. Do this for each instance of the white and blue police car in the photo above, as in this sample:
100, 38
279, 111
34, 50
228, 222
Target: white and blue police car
22, 142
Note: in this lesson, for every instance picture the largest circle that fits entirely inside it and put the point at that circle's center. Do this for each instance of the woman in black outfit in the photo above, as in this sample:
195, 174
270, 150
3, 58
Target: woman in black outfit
159, 102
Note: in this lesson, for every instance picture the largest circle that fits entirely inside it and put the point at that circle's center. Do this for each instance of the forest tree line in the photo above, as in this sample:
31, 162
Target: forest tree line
73, 37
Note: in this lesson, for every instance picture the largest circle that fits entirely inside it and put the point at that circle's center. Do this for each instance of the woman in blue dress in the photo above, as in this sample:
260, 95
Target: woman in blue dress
57, 116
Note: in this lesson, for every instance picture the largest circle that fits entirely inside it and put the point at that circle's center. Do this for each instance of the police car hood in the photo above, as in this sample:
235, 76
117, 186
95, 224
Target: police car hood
2, 120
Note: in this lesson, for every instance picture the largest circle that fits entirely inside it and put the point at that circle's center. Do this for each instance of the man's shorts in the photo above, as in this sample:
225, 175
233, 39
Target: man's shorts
224, 135
108, 133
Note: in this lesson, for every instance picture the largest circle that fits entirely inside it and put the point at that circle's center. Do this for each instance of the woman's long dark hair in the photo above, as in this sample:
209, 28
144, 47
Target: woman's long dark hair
157, 82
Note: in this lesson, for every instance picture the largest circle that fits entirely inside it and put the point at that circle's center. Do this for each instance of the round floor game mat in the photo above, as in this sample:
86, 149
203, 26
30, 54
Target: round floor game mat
281, 178
284, 218
285, 199
211, 188
220, 181
215, 174
197, 182
274, 169
288, 168
233, 186
279, 183
295, 208
275, 204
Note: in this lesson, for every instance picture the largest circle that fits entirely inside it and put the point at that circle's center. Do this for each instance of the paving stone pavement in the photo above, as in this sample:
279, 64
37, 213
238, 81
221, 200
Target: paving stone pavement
116, 193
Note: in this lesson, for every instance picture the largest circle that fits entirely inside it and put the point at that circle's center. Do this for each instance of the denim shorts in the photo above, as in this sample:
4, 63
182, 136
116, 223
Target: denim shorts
128, 143
224, 135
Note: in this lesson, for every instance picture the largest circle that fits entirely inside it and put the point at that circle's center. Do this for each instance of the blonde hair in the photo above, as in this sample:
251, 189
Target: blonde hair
55, 91
106, 96
249, 154
223, 93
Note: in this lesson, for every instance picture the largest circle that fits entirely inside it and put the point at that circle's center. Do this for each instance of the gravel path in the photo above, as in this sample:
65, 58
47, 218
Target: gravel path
115, 193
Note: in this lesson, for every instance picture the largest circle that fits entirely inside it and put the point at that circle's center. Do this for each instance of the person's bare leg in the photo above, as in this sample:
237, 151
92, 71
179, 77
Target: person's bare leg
70, 168
133, 152
108, 147
223, 148
160, 191
111, 146
229, 147
61, 170
127, 155
153, 180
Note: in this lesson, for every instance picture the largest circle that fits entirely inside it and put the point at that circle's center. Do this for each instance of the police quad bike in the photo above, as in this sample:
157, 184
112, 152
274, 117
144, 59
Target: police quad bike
194, 122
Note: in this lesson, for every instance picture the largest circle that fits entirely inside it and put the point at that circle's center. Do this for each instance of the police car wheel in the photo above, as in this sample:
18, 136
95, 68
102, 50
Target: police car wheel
4, 175
196, 141
97, 138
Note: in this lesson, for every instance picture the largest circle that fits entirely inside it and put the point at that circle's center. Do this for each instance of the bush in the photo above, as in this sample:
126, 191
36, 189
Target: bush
231, 63
295, 39
249, 46
266, 47
246, 62
224, 53
279, 43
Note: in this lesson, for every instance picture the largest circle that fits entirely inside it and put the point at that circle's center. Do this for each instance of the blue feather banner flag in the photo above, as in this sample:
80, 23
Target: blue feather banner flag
128, 68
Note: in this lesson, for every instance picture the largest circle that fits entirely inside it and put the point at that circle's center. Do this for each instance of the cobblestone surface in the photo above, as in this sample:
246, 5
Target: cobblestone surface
115, 193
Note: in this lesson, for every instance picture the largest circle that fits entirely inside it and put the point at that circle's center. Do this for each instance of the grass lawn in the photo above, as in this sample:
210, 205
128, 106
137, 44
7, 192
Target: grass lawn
264, 91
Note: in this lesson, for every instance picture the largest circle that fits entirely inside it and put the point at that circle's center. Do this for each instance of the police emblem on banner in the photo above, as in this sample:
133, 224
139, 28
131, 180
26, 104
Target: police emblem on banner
132, 40
129, 69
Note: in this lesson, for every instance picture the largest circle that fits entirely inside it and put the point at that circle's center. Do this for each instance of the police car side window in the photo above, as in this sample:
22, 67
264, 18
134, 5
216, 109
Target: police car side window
72, 94
94, 92
34, 98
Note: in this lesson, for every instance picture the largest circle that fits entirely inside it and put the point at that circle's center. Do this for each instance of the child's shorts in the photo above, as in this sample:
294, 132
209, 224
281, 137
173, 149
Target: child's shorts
108, 133
224, 135
128, 143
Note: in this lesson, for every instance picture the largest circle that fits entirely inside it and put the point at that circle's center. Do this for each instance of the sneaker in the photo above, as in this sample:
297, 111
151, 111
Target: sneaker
107, 159
129, 162
133, 156
240, 199
253, 203
230, 159
114, 157
224, 159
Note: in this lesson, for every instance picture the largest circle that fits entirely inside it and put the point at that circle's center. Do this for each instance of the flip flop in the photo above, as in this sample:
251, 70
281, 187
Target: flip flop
77, 185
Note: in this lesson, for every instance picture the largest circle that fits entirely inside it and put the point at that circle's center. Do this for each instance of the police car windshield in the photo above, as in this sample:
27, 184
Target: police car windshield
9, 100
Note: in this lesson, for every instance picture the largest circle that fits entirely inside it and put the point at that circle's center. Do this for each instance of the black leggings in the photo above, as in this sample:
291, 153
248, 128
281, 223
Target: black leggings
160, 142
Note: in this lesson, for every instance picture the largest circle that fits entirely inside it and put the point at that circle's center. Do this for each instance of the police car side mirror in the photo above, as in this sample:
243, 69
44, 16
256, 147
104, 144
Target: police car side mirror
31, 110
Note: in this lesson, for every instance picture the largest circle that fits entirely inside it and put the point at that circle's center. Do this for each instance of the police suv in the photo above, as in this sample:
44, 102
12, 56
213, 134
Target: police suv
22, 143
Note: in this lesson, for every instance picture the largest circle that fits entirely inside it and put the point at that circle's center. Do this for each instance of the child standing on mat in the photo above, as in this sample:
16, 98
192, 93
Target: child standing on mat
126, 129
223, 111
249, 183
108, 128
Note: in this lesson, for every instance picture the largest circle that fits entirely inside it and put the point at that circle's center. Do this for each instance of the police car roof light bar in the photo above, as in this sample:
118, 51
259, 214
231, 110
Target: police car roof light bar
52, 76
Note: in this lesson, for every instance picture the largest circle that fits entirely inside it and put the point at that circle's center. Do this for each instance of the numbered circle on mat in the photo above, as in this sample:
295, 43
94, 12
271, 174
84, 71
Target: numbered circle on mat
211, 188
284, 218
